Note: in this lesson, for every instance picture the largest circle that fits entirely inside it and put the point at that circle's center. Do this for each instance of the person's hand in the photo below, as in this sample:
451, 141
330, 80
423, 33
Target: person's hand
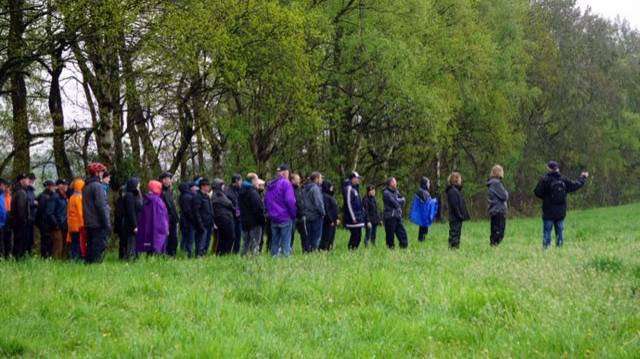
369, 225
585, 174
338, 222
135, 230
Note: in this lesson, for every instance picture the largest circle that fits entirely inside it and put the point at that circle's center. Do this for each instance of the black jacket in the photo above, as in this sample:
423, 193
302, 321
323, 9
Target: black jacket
371, 209
223, 209
41, 210
497, 197
550, 210
185, 201
167, 198
20, 209
132, 207
33, 205
457, 208
297, 191
95, 205
330, 204
393, 203
251, 207
233, 193
202, 211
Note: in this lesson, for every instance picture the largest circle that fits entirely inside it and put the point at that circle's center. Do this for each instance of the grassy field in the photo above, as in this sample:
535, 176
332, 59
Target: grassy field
515, 300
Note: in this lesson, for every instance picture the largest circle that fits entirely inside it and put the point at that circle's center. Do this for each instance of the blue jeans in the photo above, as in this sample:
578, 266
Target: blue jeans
281, 238
188, 238
548, 225
314, 233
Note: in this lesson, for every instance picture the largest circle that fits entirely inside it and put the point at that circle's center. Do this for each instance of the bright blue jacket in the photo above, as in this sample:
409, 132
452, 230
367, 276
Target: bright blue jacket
423, 213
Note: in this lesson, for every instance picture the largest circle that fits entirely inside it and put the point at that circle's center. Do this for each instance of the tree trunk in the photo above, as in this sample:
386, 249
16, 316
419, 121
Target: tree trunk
63, 166
15, 51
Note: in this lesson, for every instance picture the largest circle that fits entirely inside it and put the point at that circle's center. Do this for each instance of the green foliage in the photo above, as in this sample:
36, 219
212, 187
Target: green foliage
427, 301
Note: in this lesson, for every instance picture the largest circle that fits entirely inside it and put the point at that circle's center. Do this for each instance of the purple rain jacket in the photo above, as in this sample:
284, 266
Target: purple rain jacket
280, 201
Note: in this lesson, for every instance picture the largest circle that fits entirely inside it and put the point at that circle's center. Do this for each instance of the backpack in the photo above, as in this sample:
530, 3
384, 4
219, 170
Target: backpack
558, 191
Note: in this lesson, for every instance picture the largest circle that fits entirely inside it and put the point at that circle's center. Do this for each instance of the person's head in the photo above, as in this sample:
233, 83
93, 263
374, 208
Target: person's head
327, 187
62, 185
236, 180
217, 184
22, 180
204, 185
283, 170
193, 187
371, 190
392, 183
133, 184
553, 166
455, 179
167, 179
497, 172
49, 185
425, 183
355, 178
295, 179
32, 179
316, 177
106, 178
78, 185
260, 185
3, 184
155, 187
96, 169
251, 176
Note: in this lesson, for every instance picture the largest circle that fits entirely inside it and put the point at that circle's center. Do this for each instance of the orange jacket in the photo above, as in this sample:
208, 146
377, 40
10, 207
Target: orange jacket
75, 218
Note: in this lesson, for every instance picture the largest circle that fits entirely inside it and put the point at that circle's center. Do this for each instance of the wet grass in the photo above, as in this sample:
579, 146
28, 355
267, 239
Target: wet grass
511, 301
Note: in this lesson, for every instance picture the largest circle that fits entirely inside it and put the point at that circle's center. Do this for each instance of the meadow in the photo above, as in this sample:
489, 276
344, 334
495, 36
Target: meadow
428, 301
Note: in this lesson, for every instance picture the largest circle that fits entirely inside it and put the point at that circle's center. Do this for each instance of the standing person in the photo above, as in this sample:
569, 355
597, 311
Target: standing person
56, 218
300, 222
553, 189
251, 215
167, 196
106, 182
132, 204
41, 220
33, 209
76, 235
354, 216
5, 207
280, 202
223, 218
331, 220
203, 215
95, 208
153, 222
392, 213
314, 211
20, 217
497, 197
187, 219
373, 216
424, 209
233, 193
457, 209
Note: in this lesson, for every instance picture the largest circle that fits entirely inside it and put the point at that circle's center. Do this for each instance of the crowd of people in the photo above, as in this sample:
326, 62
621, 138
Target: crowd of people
75, 219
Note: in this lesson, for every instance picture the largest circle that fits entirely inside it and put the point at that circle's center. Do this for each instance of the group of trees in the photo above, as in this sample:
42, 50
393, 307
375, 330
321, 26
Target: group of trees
403, 87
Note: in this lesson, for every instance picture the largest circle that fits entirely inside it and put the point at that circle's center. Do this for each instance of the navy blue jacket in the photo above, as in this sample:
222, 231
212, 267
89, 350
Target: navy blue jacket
55, 209
202, 211
354, 216
555, 211
185, 201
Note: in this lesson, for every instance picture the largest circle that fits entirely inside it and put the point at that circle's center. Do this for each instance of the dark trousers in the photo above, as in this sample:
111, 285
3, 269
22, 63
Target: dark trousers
127, 246
301, 227
237, 242
314, 234
455, 231
75, 252
187, 240
57, 243
203, 240
172, 239
226, 237
96, 244
498, 225
393, 227
328, 236
20, 242
46, 242
6, 242
31, 231
370, 234
422, 232
355, 237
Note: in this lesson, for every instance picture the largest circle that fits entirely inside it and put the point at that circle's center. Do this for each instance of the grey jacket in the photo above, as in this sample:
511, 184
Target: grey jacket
95, 205
393, 202
313, 202
497, 197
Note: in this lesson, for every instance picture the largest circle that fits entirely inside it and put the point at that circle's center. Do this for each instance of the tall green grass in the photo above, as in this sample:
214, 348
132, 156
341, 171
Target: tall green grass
512, 301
